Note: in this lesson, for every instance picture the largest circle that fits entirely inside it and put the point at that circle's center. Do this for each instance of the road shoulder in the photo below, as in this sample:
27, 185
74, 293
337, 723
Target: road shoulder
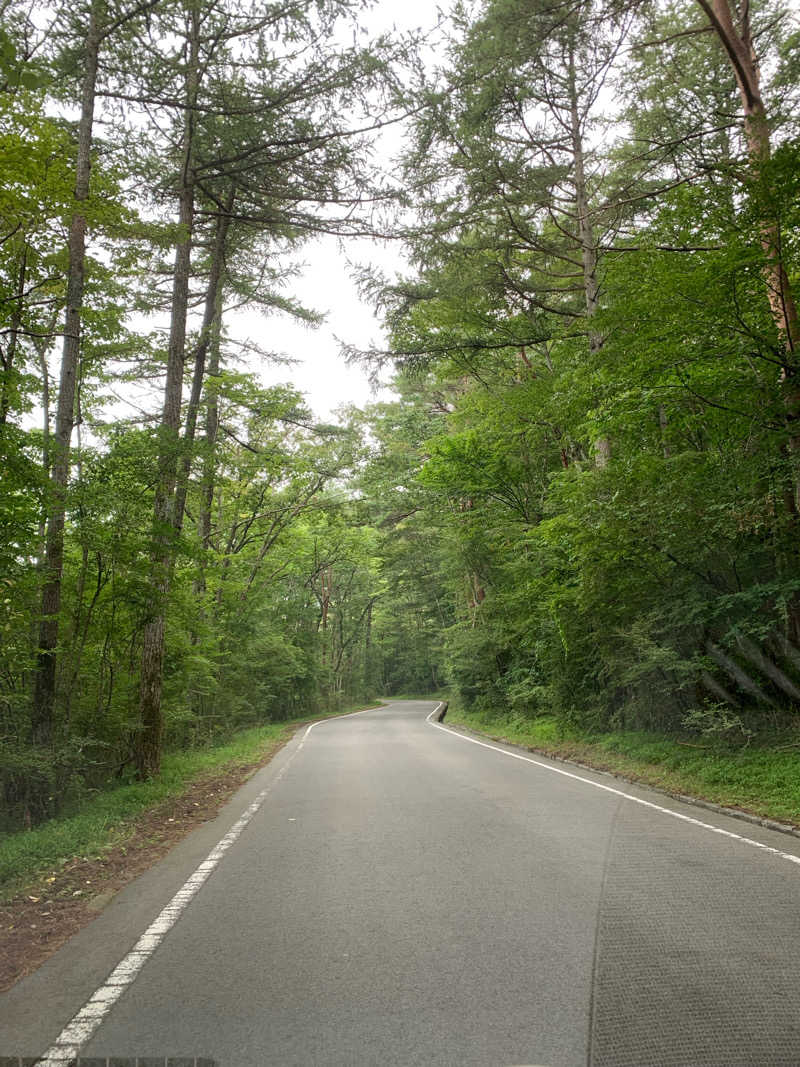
598, 766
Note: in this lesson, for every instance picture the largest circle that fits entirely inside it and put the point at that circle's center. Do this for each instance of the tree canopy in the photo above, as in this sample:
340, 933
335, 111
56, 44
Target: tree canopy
584, 493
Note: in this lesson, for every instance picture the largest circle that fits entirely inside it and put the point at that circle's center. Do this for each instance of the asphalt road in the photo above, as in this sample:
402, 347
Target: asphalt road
405, 896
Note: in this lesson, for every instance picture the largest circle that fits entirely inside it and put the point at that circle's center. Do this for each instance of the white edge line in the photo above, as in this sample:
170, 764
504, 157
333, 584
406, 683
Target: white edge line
616, 792
67, 1046
333, 718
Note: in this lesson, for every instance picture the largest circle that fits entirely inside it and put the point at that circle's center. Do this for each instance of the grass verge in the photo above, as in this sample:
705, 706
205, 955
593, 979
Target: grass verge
108, 818
762, 778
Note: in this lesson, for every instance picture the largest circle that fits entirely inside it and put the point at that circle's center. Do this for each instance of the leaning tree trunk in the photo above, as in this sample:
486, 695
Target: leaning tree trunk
46, 663
738, 45
147, 753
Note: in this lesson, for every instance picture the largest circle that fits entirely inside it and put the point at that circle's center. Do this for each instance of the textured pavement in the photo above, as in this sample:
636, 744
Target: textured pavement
406, 897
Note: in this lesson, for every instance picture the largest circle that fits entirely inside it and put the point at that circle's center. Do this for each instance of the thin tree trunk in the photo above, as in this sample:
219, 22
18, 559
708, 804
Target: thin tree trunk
753, 653
81, 627
151, 717
41, 351
211, 313
45, 687
367, 650
585, 228
787, 650
10, 354
40, 343
325, 586
586, 240
709, 682
211, 431
208, 475
738, 674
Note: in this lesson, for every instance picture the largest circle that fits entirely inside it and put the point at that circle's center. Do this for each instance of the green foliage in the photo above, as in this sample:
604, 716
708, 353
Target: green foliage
714, 720
609, 482
582, 500
270, 580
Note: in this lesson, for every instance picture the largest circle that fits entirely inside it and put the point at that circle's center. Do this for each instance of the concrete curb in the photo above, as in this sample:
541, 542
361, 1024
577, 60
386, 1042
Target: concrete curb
697, 802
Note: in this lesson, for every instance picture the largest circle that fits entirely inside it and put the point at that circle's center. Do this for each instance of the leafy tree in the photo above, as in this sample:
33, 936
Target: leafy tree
641, 587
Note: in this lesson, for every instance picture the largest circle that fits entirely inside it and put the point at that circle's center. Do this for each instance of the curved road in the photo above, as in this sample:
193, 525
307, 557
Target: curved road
401, 894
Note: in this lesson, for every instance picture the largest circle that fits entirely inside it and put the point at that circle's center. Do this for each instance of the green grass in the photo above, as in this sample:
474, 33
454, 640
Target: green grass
107, 817
760, 778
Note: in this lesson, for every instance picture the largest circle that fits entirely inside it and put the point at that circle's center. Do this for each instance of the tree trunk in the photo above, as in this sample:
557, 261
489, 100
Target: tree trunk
148, 749
211, 314
211, 431
208, 475
10, 355
588, 246
753, 653
41, 351
584, 225
738, 45
367, 650
738, 674
45, 687
151, 717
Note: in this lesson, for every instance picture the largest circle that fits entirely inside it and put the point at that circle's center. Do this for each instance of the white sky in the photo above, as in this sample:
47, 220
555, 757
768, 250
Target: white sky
326, 286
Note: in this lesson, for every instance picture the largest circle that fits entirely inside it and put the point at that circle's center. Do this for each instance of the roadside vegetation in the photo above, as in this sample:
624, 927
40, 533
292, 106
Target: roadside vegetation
594, 459
580, 508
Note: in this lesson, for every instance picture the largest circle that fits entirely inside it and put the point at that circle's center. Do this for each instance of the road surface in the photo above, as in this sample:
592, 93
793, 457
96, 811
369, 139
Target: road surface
399, 894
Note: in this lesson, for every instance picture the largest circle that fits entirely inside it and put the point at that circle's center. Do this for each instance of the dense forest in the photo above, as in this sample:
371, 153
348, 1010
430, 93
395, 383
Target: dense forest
584, 496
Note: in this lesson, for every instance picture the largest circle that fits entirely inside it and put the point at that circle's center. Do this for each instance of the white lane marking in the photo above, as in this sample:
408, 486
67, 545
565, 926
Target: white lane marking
333, 718
67, 1046
617, 792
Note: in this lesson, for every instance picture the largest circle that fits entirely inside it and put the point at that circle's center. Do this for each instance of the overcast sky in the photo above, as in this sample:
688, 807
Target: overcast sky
327, 287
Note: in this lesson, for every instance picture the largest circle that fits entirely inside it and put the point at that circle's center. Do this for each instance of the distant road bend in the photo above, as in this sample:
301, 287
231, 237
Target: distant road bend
388, 891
